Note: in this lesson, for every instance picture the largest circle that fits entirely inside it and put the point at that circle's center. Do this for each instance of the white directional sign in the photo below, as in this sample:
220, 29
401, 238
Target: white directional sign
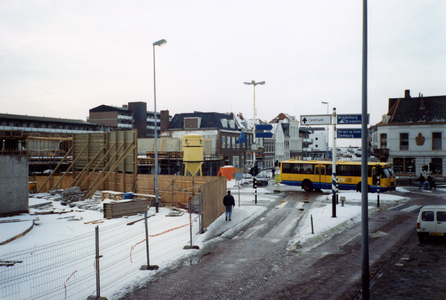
315, 120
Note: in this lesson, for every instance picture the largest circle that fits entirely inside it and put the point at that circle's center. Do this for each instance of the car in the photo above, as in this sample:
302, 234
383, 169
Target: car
431, 221
262, 179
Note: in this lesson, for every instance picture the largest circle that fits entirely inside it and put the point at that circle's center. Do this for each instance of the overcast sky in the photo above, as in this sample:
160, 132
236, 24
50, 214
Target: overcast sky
62, 58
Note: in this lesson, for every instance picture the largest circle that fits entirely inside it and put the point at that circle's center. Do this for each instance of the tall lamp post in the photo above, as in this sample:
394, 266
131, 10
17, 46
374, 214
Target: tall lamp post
326, 141
253, 83
158, 43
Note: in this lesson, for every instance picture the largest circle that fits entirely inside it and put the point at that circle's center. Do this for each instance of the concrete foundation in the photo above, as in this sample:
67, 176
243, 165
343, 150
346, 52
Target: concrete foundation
13, 184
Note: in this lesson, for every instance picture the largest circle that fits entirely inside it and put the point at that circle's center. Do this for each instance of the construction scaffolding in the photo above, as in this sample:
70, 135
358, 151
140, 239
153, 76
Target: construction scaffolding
98, 158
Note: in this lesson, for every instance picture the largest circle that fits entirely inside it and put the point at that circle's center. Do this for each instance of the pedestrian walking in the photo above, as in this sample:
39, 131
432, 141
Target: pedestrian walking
433, 182
429, 182
421, 179
229, 202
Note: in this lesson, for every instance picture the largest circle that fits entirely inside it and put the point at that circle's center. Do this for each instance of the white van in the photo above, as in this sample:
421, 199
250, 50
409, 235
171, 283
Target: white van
431, 221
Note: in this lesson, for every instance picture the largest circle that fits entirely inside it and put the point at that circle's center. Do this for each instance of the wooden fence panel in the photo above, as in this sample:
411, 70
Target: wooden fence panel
213, 189
213, 193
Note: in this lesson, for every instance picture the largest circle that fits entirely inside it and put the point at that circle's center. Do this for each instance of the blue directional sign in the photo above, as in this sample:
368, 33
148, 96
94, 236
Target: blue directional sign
351, 119
264, 127
350, 133
264, 134
262, 131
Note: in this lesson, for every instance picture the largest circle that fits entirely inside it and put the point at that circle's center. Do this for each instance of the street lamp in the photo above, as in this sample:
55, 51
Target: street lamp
253, 83
158, 43
326, 141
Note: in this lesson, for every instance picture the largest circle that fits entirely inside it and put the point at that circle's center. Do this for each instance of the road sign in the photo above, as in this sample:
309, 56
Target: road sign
238, 176
315, 120
264, 134
264, 127
351, 119
262, 131
350, 133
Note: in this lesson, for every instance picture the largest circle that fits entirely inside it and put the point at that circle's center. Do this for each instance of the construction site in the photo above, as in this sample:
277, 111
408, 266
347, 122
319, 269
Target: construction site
105, 165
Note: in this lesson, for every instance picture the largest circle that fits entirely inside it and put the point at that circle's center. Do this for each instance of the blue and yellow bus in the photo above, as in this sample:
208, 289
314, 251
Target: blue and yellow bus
313, 174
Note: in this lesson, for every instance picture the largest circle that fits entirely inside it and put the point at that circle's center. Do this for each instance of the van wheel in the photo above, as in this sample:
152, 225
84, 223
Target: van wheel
307, 185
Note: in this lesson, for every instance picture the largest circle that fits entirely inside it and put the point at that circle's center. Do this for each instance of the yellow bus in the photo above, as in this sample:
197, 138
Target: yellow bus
313, 174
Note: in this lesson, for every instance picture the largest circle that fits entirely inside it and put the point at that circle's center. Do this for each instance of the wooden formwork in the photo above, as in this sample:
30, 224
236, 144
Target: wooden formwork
171, 189
118, 182
180, 189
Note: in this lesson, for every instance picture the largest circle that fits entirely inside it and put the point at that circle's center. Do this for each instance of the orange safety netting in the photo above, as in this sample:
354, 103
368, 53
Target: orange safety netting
227, 171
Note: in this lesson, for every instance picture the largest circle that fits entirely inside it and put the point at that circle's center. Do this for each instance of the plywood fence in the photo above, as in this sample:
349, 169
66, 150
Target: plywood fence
213, 193
171, 189
115, 182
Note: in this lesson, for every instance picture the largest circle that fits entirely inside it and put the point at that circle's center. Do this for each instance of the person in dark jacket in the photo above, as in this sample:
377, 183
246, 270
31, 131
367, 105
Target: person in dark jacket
229, 202
421, 179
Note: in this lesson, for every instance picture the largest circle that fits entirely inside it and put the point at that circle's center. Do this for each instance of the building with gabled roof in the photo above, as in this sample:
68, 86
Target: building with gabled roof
221, 130
412, 135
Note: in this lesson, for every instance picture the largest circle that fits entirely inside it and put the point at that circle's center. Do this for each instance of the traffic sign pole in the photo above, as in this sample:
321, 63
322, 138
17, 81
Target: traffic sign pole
333, 177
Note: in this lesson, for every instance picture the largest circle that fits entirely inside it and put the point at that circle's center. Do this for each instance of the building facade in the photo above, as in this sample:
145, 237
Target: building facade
132, 116
221, 130
412, 135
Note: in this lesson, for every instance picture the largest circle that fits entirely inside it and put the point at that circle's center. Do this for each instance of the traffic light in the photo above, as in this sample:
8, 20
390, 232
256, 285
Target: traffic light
251, 171
379, 170
255, 171
254, 183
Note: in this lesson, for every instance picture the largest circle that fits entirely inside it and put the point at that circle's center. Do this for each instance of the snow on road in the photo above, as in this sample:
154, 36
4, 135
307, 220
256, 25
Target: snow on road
51, 228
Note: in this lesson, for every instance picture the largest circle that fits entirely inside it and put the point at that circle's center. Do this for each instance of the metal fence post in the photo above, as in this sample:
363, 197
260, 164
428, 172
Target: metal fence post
190, 220
98, 281
148, 266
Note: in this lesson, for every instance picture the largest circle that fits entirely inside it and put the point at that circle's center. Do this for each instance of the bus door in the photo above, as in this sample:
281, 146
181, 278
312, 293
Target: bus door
320, 172
375, 176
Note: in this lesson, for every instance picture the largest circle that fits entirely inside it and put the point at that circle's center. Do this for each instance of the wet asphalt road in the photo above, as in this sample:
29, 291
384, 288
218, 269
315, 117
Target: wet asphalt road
255, 264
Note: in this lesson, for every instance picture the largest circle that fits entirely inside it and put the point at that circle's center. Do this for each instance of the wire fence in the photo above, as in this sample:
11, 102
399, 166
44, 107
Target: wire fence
67, 269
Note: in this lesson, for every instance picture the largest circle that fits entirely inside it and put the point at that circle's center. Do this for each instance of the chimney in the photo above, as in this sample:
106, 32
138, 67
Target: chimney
164, 120
422, 105
407, 94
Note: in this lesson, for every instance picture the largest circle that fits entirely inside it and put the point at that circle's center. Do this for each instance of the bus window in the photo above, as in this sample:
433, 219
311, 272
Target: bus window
295, 168
286, 168
309, 169
320, 170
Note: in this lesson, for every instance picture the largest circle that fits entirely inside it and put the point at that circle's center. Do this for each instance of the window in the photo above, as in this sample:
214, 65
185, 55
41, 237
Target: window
404, 165
409, 165
404, 141
427, 216
228, 141
398, 165
233, 142
441, 216
224, 123
383, 140
437, 166
223, 142
235, 161
436, 140
349, 170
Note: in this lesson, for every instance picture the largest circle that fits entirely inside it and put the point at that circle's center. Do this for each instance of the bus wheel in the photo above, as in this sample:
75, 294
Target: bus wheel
358, 187
307, 185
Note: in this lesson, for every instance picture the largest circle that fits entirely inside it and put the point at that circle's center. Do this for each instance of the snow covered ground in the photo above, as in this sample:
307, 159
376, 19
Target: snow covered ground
53, 228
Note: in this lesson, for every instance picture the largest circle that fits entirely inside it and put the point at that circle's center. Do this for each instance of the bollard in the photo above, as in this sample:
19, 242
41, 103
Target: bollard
342, 200
312, 229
